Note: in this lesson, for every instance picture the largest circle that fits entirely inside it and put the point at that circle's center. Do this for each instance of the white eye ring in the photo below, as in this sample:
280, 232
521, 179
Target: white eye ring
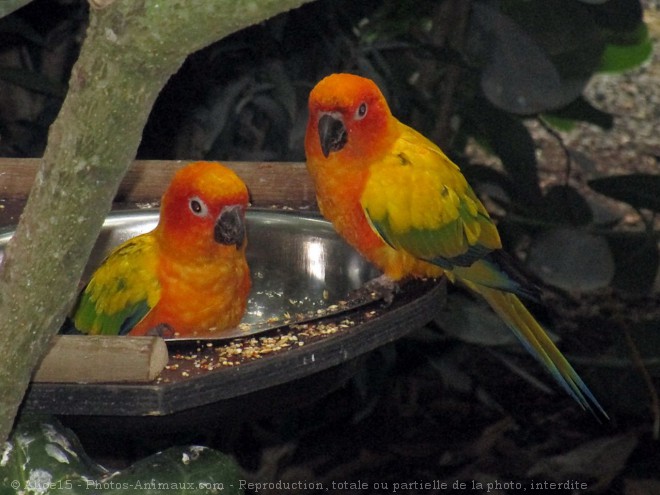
198, 206
361, 111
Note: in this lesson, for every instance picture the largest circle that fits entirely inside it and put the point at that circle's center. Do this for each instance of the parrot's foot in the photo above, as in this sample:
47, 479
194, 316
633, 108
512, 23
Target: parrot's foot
162, 330
384, 286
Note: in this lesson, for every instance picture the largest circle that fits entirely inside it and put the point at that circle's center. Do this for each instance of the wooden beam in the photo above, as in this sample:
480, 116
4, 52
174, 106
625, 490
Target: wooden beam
102, 359
270, 183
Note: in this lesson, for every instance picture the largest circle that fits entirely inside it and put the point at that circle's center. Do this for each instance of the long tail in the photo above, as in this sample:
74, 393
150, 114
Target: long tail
536, 341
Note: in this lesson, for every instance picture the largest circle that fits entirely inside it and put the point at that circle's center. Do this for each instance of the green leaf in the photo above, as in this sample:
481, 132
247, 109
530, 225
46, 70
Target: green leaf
609, 453
217, 114
515, 146
647, 339
618, 18
33, 81
537, 56
509, 139
638, 190
518, 76
44, 458
482, 174
177, 471
560, 123
619, 58
581, 110
565, 205
621, 375
15, 25
473, 322
283, 89
567, 33
454, 367
571, 259
637, 260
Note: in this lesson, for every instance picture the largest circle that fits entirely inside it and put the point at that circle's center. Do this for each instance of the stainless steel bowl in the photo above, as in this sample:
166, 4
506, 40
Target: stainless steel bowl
298, 263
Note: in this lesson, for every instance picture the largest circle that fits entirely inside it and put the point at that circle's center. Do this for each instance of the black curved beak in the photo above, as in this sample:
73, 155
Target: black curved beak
230, 226
332, 134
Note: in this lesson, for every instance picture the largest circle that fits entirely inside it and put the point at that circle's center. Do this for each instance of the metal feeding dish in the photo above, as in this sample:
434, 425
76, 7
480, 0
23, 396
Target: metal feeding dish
308, 311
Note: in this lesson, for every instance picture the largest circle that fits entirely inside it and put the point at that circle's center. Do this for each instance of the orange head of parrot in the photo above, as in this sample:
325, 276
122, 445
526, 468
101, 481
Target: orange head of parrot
348, 115
203, 210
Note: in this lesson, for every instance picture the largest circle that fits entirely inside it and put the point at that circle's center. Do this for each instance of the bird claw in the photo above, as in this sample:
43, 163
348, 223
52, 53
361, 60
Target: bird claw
384, 286
162, 330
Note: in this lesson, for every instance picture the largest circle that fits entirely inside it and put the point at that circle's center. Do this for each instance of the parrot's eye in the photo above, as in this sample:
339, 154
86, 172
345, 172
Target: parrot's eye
198, 207
361, 111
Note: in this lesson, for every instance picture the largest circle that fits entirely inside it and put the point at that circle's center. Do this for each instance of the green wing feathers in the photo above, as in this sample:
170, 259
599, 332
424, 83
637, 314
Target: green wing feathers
122, 290
460, 241
88, 318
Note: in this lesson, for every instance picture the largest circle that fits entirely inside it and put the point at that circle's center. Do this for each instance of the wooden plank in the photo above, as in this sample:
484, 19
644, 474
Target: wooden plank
16, 177
270, 183
182, 388
102, 359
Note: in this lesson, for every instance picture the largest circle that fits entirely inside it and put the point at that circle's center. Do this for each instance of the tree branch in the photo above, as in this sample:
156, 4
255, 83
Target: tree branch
131, 49
8, 6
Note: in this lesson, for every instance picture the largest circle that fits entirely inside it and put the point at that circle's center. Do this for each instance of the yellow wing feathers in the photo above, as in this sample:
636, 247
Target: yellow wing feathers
418, 200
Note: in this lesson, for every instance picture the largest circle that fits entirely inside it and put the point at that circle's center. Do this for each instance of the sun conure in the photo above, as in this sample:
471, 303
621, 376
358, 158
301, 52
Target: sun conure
188, 276
402, 203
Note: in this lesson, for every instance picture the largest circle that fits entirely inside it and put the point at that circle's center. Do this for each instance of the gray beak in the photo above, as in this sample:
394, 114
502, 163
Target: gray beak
230, 226
332, 134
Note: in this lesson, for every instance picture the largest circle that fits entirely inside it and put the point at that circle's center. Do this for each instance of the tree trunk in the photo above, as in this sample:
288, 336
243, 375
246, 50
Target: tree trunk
131, 49
8, 6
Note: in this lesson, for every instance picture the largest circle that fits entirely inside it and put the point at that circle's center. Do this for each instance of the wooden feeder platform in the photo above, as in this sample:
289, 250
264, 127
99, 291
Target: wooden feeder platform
284, 367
